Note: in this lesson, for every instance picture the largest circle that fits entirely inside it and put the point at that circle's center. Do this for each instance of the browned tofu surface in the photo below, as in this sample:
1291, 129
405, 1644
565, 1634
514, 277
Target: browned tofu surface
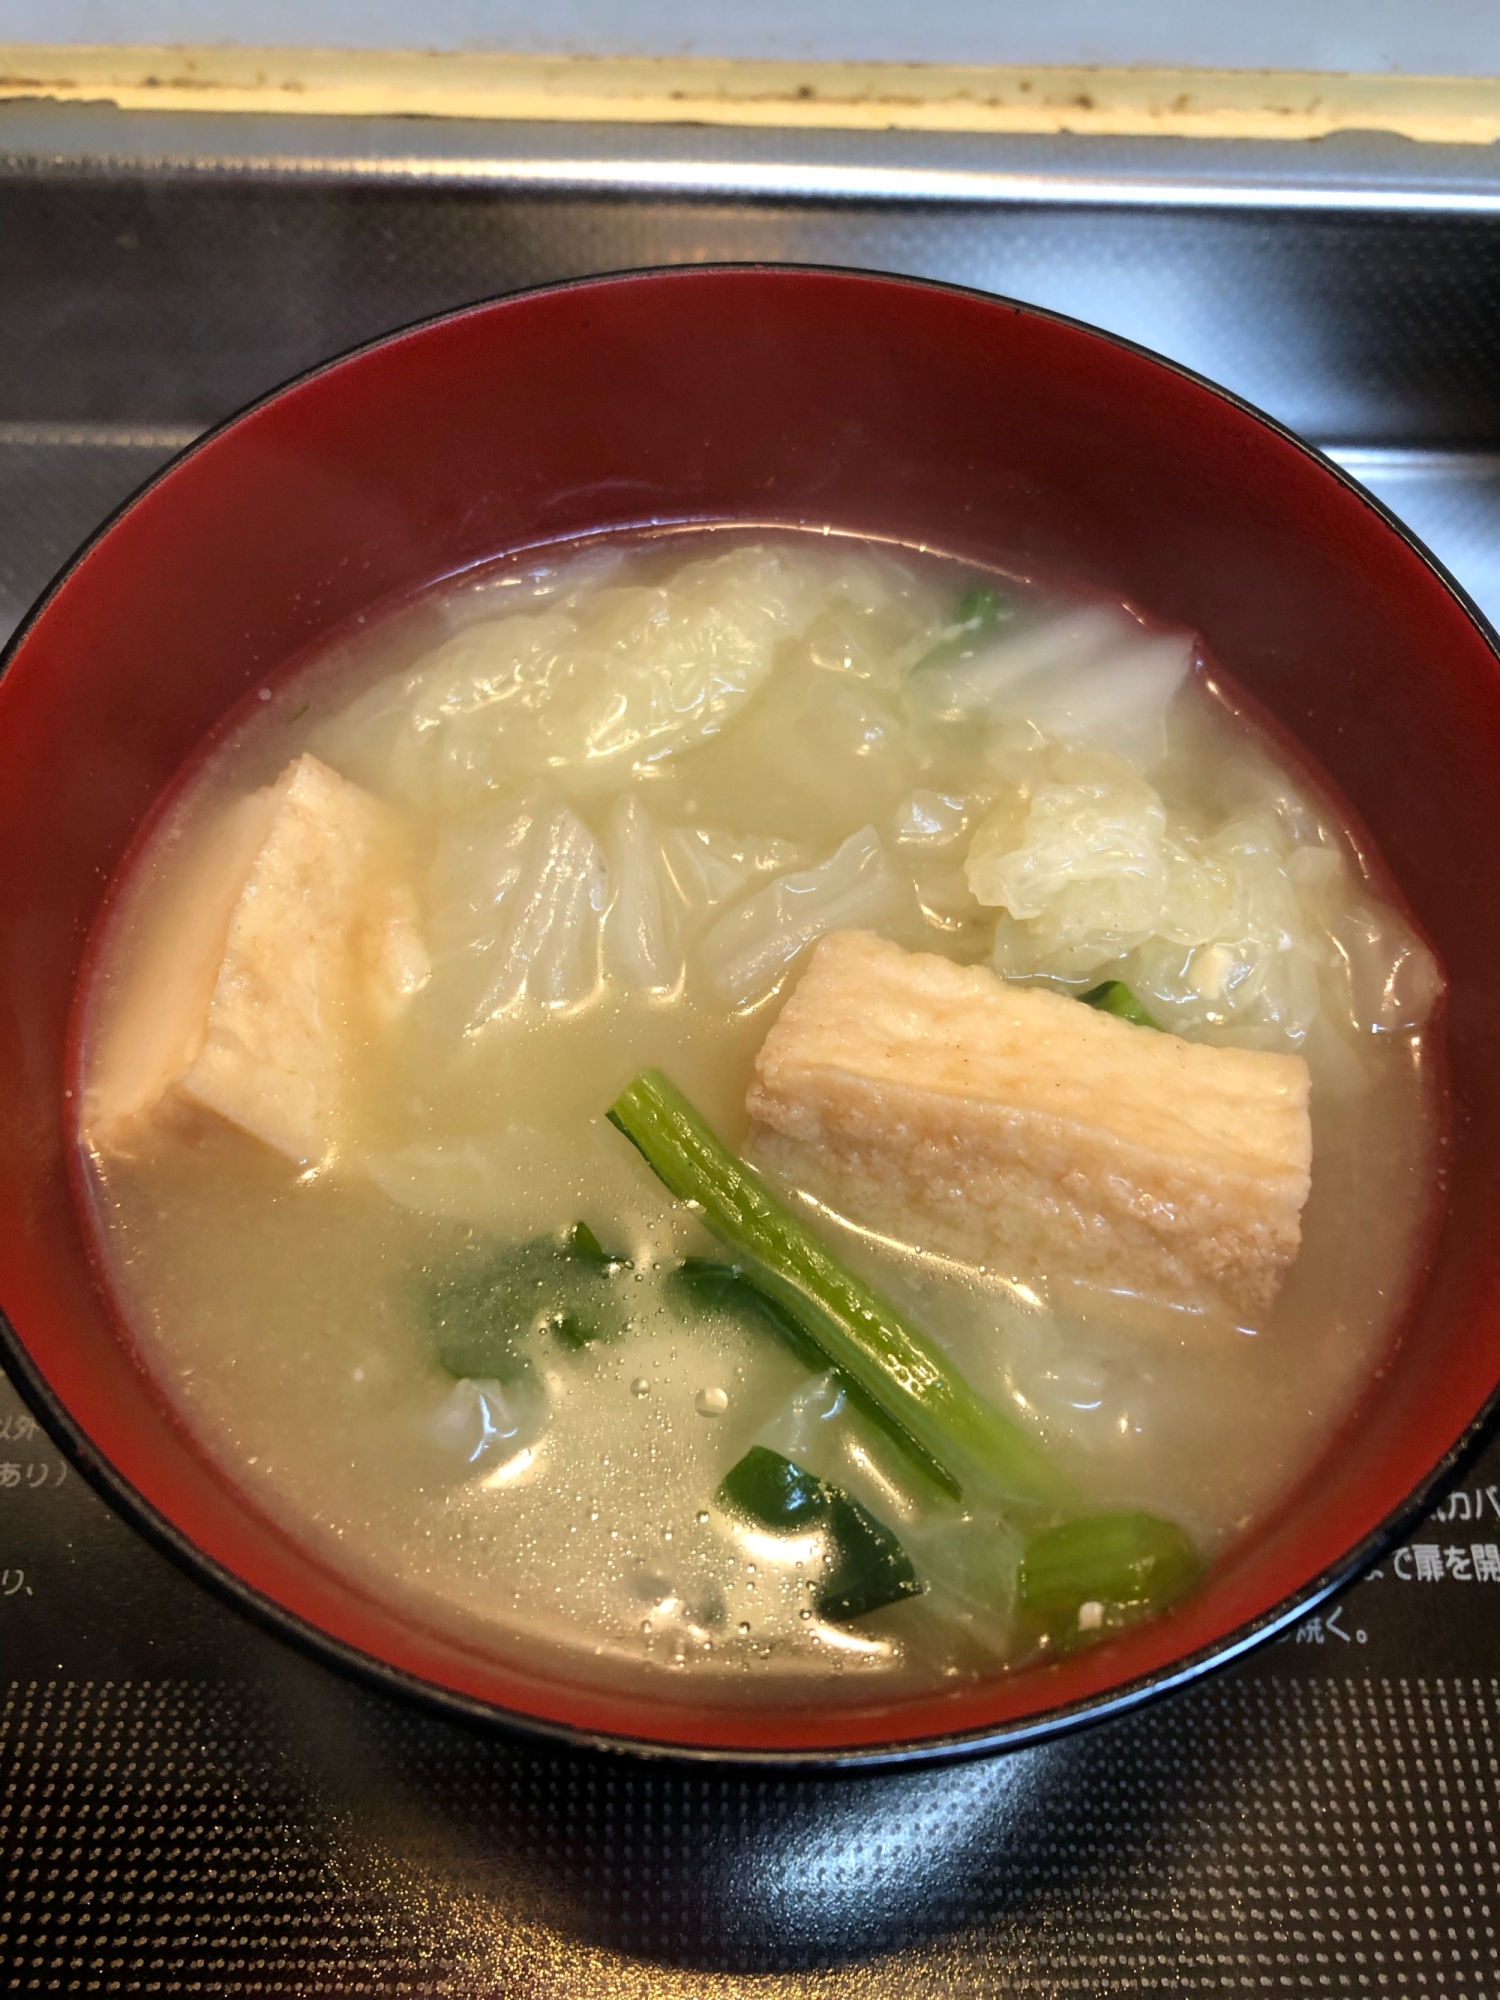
1015, 1128
292, 934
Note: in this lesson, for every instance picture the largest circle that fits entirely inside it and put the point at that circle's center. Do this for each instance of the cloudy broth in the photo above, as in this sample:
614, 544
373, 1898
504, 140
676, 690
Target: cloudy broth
587, 812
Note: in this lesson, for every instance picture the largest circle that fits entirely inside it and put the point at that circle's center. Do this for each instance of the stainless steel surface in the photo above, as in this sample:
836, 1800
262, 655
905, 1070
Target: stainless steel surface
1372, 171
185, 1805
224, 257
159, 271
1450, 500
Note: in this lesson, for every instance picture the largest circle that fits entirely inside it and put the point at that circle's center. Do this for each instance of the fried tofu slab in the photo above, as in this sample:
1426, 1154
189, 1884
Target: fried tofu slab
291, 938
1014, 1128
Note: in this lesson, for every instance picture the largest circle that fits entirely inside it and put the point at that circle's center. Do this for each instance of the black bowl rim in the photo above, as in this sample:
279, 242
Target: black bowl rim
1024, 1732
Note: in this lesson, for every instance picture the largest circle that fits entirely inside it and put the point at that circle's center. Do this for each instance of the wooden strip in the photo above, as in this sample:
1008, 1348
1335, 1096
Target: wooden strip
1269, 104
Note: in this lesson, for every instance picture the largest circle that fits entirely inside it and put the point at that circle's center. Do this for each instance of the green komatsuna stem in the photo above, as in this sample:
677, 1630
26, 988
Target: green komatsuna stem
1126, 1563
980, 1446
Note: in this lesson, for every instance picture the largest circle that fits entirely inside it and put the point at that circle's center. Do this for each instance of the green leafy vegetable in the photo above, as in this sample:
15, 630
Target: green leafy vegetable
1115, 997
978, 612
981, 607
774, 1493
1127, 1564
703, 1285
862, 1334
866, 1566
486, 1316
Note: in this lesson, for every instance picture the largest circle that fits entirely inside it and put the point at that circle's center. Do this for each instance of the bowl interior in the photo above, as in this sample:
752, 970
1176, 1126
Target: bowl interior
807, 398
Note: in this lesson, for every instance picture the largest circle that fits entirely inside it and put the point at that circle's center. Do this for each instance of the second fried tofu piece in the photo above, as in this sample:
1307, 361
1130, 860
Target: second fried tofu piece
1014, 1128
292, 936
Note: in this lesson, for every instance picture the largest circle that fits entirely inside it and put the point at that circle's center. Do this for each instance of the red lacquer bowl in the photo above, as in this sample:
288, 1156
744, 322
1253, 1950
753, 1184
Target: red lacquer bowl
983, 428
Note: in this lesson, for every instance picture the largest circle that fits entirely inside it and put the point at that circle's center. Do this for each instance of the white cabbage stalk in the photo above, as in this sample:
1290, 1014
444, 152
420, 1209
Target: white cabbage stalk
1095, 676
450, 1178
665, 886
527, 906
518, 900
750, 949
642, 929
709, 867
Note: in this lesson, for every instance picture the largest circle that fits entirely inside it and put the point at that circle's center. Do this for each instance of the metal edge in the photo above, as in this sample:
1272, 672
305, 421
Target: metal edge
1350, 173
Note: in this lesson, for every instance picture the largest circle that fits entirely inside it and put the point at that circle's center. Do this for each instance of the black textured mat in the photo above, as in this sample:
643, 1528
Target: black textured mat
191, 1807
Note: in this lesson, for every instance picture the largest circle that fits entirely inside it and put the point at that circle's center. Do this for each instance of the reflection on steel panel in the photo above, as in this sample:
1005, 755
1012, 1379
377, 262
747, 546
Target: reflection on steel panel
1356, 299
1450, 500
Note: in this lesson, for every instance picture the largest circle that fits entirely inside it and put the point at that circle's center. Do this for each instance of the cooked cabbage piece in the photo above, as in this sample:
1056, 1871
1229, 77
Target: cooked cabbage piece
930, 821
1078, 850
528, 905
596, 682
642, 940
1235, 929
518, 898
751, 948
1094, 676
708, 867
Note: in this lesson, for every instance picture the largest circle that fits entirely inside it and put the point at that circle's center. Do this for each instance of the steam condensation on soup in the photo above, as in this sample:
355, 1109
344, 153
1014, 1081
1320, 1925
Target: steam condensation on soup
759, 1108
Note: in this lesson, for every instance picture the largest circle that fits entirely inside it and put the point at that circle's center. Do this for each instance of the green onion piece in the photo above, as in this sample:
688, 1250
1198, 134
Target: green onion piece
867, 1568
707, 1286
862, 1334
1115, 997
485, 1317
1127, 1564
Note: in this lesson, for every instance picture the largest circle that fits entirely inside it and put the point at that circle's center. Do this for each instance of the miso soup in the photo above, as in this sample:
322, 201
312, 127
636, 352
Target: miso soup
1022, 1136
